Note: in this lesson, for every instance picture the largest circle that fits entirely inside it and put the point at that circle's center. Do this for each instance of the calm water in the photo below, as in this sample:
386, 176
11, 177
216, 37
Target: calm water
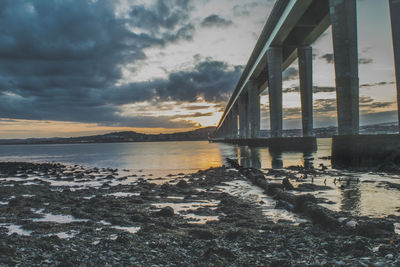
163, 158
156, 157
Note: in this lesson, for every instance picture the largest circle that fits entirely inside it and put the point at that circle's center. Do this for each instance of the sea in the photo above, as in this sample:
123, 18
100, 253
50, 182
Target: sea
360, 193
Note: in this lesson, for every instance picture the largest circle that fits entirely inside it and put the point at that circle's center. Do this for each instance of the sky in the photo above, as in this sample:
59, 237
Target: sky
83, 67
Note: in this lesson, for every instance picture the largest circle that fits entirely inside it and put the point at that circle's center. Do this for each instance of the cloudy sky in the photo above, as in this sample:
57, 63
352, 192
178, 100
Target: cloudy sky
77, 67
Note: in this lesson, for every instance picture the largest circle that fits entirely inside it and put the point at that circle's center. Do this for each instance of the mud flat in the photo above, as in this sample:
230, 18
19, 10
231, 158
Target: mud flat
57, 215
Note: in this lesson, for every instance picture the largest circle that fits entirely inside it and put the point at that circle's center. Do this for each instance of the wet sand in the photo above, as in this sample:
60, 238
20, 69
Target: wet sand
52, 214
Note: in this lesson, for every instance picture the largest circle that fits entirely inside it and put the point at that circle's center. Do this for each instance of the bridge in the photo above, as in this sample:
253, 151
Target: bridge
288, 34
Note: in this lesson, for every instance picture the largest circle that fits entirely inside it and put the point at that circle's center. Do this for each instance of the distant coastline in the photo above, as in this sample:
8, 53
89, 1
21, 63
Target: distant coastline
201, 134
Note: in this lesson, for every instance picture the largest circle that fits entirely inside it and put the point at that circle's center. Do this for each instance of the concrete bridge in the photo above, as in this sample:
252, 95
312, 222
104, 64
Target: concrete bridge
289, 33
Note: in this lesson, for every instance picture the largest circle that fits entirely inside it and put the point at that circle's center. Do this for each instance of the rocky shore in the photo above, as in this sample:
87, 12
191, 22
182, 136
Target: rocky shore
57, 215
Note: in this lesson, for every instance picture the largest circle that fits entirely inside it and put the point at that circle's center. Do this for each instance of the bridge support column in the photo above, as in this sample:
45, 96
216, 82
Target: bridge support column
243, 117
395, 18
344, 32
229, 129
234, 119
231, 133
274, 62
226, 130
306, 89
253, 106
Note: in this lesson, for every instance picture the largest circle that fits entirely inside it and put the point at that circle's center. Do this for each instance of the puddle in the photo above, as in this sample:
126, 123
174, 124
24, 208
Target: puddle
17, 229
193, 218
65, 235
4, 202
89, 197
172, 197
113, 237
132, 230
397, 228
123, 194
179, 207
48, 217
200, 219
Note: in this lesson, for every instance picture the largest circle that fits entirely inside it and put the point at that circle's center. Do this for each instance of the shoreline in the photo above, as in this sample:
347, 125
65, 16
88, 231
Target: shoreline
88, 216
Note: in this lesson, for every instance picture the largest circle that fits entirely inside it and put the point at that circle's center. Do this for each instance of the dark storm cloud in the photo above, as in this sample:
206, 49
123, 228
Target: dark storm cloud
164, 14
61, 60
316, 89
166, 19
328, 57
246, 9
215, 21
290, 74
322, 106
294, 89
324, 89
368, 105
365, 61
376, 84
212, 80
290, 113
195, 107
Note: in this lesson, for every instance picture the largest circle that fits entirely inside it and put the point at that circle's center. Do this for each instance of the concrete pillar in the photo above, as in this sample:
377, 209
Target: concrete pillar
306, 89
253, 106
274, 62
228, 126
344, 33
232, 125
225, 130
243, 122
394, 6
235, 111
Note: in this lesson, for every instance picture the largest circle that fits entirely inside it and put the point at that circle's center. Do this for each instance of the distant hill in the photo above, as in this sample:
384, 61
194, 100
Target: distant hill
196, 135
127, 136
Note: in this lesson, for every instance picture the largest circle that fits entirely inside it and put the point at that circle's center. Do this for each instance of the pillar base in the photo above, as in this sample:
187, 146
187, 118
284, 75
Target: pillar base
294, 144
365, 150
278, 144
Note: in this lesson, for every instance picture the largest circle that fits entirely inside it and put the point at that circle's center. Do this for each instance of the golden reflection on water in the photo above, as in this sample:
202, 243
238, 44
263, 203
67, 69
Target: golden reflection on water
174, 157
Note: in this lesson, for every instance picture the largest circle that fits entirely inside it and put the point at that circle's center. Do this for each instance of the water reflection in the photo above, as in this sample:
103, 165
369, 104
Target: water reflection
261, 157
276, 159
248, 157
308, 160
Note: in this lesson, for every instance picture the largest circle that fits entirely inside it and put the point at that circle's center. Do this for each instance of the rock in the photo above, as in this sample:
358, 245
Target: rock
389, 256
182, 184
280, 263
166, 212
233, 235
202, 234
319, 215
281, 204
374, 228
287, 184
123, 239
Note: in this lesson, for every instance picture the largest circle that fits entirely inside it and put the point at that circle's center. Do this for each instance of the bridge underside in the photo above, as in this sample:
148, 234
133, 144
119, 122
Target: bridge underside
288, 34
